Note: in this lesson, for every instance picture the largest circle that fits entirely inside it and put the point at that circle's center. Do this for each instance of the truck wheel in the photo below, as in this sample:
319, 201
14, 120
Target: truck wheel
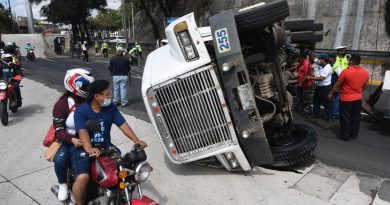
4, 113
306, 36
261, 16
297, 148
307, 24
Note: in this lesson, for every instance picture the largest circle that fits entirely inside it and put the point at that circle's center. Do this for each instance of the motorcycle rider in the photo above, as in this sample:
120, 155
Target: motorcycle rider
29, 47
98, 107
10, 49
7, 62
76, 83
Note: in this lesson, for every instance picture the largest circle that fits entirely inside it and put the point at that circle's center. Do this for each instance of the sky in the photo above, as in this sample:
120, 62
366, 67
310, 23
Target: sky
18, 7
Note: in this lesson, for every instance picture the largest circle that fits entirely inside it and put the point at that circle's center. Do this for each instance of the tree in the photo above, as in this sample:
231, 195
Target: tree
387, 17
74, 12
7, 25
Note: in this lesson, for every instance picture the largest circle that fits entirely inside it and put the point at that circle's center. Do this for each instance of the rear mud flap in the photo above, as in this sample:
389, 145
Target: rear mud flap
246, 118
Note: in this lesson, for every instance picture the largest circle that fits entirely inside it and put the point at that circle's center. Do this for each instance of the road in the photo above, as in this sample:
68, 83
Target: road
369, 154
51, 73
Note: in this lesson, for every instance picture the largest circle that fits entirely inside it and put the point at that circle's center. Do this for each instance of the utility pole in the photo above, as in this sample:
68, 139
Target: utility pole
132, 18
29, 17
125, 24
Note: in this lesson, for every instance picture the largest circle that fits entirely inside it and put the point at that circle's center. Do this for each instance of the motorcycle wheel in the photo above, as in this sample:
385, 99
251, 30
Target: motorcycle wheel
32, 57
4, 113
13, 105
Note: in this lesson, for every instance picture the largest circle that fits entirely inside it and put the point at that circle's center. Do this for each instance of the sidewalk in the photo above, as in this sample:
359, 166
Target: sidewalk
26, 178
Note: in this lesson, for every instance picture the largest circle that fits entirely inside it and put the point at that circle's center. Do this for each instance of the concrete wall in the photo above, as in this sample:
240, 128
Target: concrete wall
44, 45
21, 40
50, 45
353, 23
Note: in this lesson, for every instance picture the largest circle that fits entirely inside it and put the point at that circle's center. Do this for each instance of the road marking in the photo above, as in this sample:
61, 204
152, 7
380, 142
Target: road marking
136, 76
49, 60
76, 66
24, 69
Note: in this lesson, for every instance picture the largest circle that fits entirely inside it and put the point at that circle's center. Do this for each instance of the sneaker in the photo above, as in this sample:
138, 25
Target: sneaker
117, 103
63, 192
124, 105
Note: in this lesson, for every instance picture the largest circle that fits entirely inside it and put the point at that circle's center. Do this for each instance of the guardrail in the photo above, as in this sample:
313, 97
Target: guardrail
378, 54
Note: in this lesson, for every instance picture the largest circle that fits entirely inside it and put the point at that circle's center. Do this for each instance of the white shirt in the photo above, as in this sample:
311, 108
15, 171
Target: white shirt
326, 72
70, 126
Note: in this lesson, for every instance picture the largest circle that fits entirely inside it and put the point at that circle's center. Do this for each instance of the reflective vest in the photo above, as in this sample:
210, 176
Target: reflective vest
138, 47
340, 62
105, 45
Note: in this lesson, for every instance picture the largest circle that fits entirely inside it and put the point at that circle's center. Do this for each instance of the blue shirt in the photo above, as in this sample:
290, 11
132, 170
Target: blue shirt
106, 117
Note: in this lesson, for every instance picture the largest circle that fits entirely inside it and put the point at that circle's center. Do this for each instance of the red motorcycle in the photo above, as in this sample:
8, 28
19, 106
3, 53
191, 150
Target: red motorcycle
30, 55
8, 98
115, 178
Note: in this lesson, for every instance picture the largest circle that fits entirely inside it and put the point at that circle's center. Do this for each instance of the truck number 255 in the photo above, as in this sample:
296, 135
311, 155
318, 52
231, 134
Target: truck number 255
222, 40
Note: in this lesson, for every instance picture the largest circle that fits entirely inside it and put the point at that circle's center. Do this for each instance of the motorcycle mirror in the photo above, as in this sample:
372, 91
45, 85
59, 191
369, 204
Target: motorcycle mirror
93, 125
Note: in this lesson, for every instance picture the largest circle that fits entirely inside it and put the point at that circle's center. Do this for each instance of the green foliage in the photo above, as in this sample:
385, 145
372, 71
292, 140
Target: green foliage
387, 17
109, 19
7, 25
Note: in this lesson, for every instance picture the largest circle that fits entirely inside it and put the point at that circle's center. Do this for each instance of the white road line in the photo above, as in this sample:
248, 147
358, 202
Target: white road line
49, 60
24, 69
76, 66
136, 76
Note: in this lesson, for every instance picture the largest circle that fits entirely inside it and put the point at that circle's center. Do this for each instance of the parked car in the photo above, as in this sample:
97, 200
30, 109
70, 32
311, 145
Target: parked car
117, 39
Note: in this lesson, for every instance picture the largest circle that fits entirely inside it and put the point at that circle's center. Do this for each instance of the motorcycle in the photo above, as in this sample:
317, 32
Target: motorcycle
30, 55
8, 99
114, 178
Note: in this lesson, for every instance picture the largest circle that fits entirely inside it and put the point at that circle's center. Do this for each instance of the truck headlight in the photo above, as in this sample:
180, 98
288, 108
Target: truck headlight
185, 41
3, 85
190, 52
184, 38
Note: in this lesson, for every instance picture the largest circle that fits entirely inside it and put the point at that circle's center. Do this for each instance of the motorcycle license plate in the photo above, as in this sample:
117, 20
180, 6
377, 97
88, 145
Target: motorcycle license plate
246, 97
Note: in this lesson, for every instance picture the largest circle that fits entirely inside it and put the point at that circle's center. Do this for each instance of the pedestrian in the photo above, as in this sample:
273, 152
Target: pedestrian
105, 49
85, 51
139, 48
134, 52
322, 79
335, 99
341, 59
96, 49
351, 84
120, 69
304, 86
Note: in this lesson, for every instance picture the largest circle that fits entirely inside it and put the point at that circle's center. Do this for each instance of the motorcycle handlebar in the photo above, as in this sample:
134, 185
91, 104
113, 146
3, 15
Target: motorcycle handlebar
103, 152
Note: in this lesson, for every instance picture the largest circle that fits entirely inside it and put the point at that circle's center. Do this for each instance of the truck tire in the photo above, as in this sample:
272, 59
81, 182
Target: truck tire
302, 36
297, 150
262, 16
307, 24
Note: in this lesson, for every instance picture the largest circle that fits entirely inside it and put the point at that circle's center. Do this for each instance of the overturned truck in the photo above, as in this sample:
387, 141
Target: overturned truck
217, 94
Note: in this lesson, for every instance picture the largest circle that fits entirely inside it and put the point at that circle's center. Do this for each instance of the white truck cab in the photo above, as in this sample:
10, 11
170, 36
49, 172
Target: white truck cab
216, 94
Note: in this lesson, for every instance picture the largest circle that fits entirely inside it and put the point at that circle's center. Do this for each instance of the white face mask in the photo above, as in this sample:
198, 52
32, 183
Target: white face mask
106, 102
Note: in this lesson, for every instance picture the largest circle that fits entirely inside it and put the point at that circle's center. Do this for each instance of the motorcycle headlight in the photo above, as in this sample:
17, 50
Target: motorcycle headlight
3, 85
142, 171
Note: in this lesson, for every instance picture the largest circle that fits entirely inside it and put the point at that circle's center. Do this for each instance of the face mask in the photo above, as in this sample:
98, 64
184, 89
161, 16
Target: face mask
106, 102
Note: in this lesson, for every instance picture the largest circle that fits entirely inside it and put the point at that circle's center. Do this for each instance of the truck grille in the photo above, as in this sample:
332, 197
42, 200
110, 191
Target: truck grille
194, 114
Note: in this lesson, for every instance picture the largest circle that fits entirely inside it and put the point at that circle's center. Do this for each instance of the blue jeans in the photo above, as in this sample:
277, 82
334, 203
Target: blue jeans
120, 89
335, 104
62, 163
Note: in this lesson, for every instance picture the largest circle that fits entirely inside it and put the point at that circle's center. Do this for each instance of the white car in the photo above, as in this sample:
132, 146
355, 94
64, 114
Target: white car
117, 39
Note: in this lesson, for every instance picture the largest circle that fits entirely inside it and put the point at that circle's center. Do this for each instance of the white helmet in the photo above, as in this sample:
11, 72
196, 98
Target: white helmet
77, 81
6, 55
9, 44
